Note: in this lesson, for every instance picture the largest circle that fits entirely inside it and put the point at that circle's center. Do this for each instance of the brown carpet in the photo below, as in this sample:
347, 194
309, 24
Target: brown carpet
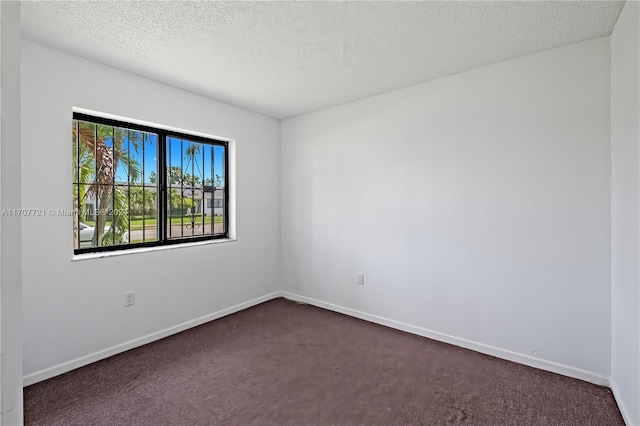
281, 363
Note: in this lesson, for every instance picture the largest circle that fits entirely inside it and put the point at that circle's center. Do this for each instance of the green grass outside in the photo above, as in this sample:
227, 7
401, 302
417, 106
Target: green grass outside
151, 222
136, 224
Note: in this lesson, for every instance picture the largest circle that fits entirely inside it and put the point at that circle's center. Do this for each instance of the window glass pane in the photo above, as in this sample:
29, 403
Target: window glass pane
207, 177
84, 167
128, 155
111, 198
143, 209
189, 178
74, 150
219, 212
218, 166
103, 148
150, 156
76, 207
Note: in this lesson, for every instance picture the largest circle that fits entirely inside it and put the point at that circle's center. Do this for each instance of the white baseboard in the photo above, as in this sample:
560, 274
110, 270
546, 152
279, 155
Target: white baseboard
621, 405
56, 370
554, 367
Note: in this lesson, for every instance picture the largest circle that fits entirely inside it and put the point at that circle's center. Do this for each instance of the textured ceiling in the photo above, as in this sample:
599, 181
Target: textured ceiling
287, 58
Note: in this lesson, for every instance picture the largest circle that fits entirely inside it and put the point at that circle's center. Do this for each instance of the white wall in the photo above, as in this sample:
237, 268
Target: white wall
75, 309
11, 412
477, 205
625, 211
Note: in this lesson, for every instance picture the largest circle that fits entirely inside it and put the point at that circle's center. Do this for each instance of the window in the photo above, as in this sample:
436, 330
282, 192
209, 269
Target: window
138, 186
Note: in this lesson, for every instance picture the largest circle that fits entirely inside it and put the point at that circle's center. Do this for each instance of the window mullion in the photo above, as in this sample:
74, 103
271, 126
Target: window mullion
77, 178
225, 174
162, 187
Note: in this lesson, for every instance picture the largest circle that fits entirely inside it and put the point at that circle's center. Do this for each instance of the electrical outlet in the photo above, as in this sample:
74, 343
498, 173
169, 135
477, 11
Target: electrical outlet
360, 278
129, 298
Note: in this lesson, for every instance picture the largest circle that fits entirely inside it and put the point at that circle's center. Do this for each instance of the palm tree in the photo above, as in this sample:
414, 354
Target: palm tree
82, 172
142, 200
191, 151
149, 201
95, 167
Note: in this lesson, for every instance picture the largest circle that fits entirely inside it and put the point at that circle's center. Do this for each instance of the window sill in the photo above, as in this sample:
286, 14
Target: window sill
100, 255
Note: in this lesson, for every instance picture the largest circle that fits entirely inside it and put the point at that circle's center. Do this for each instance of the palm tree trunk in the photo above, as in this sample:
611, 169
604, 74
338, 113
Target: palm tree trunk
101, 219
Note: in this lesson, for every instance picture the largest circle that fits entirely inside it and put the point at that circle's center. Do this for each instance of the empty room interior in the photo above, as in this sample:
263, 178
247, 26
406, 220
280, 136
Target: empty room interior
320, 213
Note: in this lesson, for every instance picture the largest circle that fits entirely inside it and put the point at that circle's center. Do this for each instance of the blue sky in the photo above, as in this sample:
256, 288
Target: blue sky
147, 154
201, 163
